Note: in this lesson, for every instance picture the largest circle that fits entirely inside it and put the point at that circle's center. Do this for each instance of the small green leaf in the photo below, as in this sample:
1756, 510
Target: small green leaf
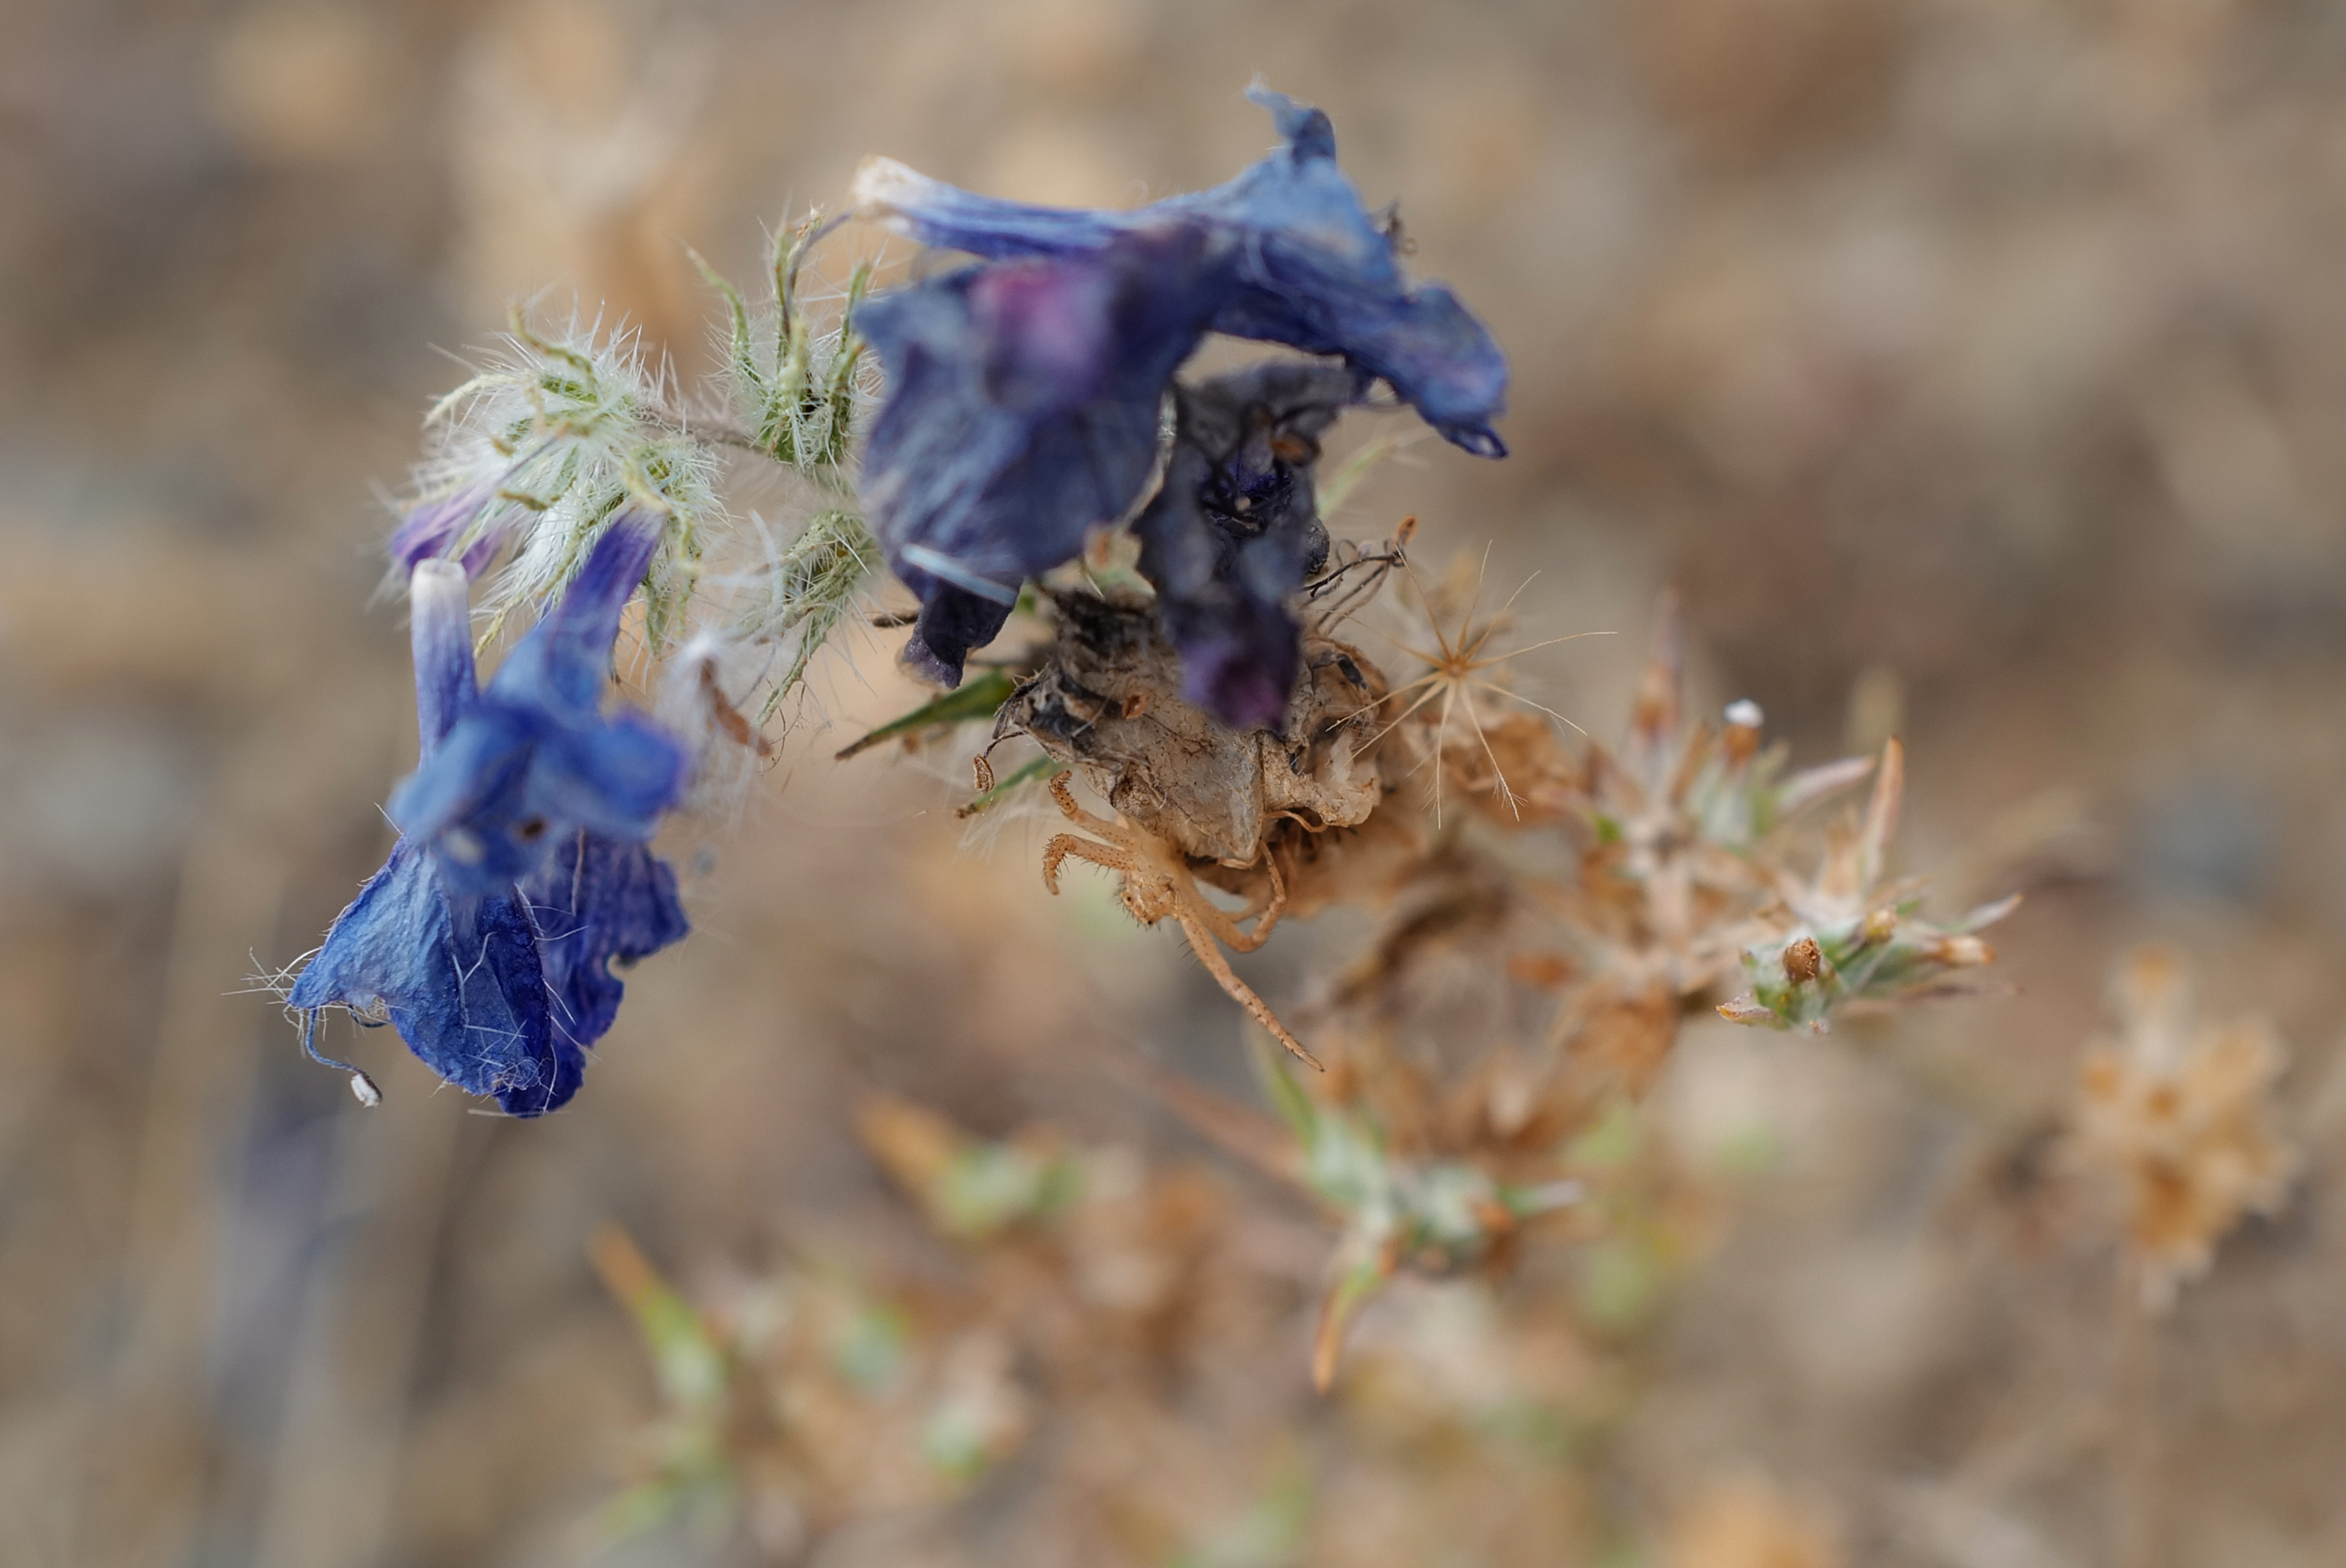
952, 1440
986, 1186
1271, 1532
740, 349
639, 1510
1612, 1142
971, 701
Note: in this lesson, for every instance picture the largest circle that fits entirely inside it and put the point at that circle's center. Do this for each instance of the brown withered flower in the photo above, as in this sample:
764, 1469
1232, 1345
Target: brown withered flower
2174, 1118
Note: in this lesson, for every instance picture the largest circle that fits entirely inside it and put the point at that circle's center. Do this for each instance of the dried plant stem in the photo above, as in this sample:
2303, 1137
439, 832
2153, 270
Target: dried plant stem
2135, 1437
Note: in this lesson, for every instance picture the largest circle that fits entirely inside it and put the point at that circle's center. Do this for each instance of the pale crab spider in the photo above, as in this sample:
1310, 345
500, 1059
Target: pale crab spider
1157, 883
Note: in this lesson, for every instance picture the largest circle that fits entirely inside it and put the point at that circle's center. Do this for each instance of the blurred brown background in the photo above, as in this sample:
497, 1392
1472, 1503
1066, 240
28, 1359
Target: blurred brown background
1977, 368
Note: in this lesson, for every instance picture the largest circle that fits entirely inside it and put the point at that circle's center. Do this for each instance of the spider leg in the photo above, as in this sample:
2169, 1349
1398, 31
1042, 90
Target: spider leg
1112, 831
1062, 845
1224, 924
1278, 905
1201, 943
1196, 906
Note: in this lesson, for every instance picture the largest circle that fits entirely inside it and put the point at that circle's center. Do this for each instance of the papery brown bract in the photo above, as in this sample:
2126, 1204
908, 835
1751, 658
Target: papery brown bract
2175, 1119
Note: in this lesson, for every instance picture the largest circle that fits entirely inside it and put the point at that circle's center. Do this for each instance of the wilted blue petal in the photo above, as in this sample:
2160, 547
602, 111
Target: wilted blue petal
1313, 269
533, 760
953, 621
432, 528
1023, 408
1235, 529
597, 901
500, 992
460, 980
441, 635
561, 666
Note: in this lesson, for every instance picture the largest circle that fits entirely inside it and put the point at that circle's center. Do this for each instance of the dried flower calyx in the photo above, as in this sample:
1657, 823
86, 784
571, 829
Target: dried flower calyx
1109, 701
1194, 799
2175, 1118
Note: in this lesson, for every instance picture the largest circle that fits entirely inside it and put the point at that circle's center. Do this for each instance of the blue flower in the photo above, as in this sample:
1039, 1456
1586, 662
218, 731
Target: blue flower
1309, 267
500, 989
595, 902
534, 760
460, 980
1024, 407
432, 527
1235, 529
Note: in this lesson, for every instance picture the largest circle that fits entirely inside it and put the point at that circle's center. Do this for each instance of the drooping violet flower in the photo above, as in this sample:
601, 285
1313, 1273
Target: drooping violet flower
1312, 269
460, 979
1024, 406
502, 990
1235, 529
533, 761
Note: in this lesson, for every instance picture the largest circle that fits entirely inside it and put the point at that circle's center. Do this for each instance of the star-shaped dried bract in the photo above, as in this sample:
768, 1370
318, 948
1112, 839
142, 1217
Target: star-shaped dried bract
1843, 937
1678, 817
1397, 1209
2175, 1119
1447, 711
1678, 810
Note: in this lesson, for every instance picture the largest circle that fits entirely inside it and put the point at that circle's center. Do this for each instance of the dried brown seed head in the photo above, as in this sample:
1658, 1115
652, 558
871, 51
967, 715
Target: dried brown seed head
1109, 702
2177, 1123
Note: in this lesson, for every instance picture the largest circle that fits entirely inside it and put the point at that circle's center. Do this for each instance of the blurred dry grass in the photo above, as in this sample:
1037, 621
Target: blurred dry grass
1978, 367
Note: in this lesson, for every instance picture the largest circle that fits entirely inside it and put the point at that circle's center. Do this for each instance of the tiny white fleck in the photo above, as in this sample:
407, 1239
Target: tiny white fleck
363, 1087
1745, 714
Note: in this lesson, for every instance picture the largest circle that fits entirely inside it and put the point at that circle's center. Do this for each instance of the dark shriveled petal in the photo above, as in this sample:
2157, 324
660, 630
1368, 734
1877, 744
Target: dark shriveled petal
1024, 407
1235, 530
1313, 269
